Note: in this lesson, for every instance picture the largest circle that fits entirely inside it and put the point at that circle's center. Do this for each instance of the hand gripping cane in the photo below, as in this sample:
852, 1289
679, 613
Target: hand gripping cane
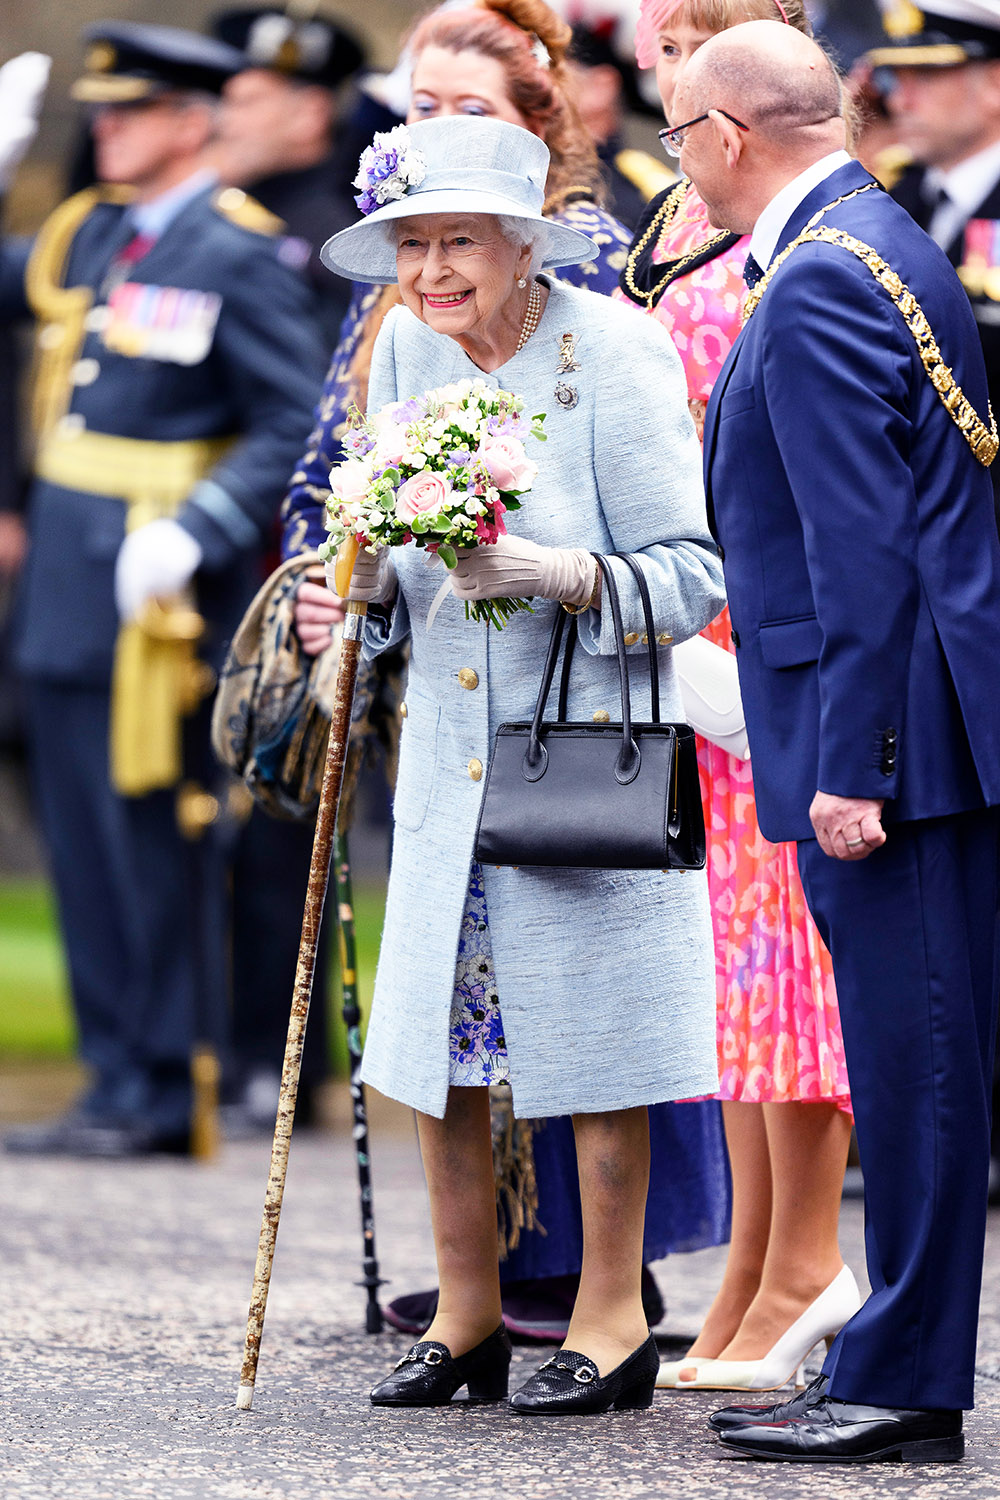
319, 875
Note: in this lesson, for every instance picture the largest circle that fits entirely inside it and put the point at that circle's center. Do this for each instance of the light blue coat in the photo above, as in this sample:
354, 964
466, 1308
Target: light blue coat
606, 978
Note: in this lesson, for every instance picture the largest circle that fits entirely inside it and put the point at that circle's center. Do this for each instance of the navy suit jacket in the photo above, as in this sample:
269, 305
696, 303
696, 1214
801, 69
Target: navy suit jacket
856, 526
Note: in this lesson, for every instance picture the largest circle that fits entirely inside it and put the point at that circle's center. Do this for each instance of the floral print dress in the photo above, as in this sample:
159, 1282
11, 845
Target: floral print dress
779, 1036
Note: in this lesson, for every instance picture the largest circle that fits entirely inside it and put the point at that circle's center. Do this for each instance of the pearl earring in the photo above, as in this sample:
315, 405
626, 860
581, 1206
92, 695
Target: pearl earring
521, 282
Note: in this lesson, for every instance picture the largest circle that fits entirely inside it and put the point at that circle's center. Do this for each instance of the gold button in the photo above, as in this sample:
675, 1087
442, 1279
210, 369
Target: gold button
632, 637
403, 710
475, 769
231, 197
601, 716
468, 678
645, 639
664, 639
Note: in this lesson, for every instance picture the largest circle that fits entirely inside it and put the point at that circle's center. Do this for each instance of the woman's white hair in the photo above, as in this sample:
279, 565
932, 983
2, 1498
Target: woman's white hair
525, 232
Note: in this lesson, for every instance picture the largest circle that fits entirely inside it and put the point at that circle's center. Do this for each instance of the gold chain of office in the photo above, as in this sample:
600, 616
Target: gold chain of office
660, 222
983, 440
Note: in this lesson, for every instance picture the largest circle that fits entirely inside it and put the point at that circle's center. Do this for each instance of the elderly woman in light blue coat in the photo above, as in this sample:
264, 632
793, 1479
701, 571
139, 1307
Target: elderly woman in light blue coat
590, 991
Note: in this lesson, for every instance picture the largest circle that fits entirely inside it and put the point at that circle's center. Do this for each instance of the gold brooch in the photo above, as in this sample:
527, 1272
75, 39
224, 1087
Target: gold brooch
567, 355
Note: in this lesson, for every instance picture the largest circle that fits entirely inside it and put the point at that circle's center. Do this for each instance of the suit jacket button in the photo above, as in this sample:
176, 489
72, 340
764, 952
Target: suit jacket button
475, 769
468, 677
891, 736
722, 552
734, 636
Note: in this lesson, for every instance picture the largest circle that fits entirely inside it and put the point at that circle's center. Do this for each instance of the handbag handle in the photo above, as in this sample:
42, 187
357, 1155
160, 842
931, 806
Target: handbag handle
536, 757
635, 568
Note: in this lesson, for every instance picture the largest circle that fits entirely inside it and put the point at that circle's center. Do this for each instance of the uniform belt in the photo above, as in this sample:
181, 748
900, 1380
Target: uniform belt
156, 679
155, 477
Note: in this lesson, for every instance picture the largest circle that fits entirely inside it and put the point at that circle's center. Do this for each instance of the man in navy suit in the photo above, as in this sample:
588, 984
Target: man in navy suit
847, 471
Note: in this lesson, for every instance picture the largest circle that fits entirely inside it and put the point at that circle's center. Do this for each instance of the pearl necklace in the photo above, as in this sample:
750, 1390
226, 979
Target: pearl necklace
532, 313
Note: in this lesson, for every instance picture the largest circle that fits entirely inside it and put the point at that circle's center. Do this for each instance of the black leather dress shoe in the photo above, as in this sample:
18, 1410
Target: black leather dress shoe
569, 1384
840, 1432
731, 1417
428, 1376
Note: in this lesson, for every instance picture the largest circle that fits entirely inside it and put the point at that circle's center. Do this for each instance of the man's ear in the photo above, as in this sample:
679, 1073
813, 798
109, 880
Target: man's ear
730, 136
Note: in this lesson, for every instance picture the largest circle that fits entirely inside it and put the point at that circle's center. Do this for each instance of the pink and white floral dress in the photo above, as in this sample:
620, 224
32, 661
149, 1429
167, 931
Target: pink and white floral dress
779, 1036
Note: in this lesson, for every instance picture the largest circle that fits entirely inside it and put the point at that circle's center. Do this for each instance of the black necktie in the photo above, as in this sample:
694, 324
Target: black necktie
752, 272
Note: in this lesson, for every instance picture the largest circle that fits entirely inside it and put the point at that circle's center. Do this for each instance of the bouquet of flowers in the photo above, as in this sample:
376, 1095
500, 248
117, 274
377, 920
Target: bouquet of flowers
440, 471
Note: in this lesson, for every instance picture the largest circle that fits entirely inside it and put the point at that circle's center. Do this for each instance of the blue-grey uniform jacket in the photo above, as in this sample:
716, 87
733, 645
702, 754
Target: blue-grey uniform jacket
243, 360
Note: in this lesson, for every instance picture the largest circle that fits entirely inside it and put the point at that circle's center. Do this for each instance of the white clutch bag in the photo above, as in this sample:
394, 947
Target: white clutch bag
710, 692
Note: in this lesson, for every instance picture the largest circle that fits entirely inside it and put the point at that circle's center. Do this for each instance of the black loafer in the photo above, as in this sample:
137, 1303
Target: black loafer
568, 1383
841, 1432
731, 1417
428, 1376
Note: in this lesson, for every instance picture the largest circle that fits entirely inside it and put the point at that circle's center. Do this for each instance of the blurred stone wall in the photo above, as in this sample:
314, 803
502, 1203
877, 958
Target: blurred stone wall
54, 26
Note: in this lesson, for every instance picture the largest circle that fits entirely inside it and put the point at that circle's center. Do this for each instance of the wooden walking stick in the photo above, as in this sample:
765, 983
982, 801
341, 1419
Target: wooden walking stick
319, 875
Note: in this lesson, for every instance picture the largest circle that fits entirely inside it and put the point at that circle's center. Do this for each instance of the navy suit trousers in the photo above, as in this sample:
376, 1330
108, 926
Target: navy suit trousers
126, 886
913, 934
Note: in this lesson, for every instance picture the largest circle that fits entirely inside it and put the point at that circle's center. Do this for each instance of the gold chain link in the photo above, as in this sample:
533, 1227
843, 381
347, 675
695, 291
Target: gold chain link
983, 440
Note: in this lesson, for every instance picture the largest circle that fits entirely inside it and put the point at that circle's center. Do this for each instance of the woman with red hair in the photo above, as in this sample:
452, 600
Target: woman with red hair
784, 1086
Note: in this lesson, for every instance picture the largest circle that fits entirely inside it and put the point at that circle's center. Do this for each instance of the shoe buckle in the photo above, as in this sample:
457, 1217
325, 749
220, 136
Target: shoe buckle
584, 1374
433, 1357
549, 1363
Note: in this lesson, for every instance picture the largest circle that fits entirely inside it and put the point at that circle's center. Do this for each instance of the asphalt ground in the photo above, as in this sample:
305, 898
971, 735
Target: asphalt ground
125, 1291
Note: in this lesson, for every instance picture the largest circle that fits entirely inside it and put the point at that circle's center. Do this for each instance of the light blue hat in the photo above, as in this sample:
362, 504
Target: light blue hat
457, 164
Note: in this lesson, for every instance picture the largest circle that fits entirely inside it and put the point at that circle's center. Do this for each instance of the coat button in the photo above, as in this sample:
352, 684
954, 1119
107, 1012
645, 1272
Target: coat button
721, 551
601, 716
475, 769
734, 636
632, 637
664, 640
403, 710
468, 678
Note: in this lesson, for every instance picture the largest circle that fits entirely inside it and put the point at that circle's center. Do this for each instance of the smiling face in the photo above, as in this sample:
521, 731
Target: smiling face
460, 83
678, 41
457, 273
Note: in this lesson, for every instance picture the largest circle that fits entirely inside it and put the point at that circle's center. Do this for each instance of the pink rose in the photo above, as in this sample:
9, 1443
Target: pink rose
508, 466
423, 493
349, 481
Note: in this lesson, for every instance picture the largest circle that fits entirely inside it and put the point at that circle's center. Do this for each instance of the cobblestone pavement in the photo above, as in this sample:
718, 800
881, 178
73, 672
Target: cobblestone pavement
125, 1297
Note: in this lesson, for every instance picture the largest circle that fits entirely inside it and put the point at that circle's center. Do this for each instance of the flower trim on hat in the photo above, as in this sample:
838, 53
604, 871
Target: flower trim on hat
388, 168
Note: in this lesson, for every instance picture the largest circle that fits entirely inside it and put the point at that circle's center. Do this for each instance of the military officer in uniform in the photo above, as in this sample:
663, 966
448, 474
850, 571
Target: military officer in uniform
277, 135
939, 72
178, 366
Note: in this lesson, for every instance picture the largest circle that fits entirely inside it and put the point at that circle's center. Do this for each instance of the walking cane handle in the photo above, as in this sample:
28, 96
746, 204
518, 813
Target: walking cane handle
346, 558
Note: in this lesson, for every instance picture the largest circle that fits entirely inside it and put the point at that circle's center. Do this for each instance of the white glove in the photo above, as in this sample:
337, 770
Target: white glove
22, 88
512, 568
373, 580
157, 559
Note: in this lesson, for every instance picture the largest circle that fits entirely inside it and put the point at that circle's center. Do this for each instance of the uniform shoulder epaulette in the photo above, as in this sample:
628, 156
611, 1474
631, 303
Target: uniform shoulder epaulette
644, 172
239, 208
890, 164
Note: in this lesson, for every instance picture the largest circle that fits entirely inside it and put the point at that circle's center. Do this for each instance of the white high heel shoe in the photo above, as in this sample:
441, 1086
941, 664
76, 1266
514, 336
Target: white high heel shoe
822, 1319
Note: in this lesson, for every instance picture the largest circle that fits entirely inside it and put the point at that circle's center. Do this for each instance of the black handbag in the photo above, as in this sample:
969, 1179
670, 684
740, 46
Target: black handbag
622, 796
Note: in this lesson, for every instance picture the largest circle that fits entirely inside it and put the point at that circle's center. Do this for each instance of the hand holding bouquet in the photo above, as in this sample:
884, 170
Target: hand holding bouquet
439, 471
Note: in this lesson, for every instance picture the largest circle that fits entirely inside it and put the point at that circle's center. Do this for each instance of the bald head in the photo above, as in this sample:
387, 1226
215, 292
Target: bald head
770, 76
784, 92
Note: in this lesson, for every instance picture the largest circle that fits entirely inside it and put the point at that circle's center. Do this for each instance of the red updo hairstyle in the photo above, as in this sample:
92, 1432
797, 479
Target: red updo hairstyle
509, 31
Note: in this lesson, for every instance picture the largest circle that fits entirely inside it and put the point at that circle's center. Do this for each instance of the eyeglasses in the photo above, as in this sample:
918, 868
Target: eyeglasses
673, 137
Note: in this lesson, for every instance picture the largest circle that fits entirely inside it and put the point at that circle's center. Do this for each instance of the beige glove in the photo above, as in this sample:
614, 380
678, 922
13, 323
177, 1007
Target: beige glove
373, 579
513, 568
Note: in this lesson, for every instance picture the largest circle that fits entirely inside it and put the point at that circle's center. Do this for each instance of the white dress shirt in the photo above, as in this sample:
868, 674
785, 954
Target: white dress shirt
767, 230
966, 186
